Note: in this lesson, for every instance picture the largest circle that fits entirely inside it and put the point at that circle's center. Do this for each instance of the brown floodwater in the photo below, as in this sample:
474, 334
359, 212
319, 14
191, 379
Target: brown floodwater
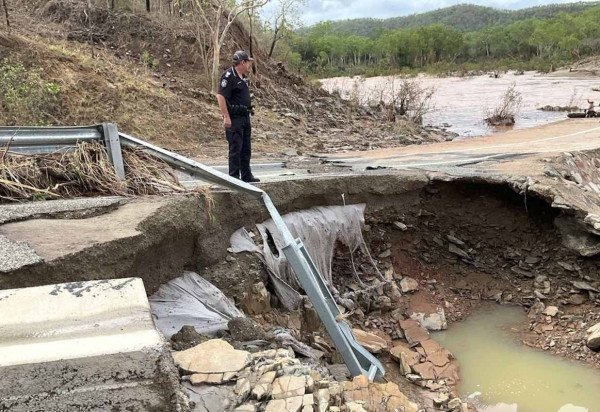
460, 103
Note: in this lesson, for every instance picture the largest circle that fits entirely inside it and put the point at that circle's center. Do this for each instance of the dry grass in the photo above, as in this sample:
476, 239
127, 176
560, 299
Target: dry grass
83, 172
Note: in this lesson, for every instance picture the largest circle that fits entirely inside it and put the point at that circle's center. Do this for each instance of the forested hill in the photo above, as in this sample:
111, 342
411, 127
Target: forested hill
462, 17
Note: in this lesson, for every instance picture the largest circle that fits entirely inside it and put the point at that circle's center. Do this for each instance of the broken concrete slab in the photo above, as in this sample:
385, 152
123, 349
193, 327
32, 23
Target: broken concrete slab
61, 208
100, 333
16, 255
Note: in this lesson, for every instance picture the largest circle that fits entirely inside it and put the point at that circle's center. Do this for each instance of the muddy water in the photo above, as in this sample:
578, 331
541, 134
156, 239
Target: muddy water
501, 375
460, 103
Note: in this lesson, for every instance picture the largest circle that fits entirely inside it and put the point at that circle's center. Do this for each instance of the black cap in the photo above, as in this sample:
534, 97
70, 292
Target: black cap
240, 56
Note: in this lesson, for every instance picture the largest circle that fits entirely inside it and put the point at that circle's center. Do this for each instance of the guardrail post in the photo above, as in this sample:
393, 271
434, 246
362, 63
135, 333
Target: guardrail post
113, 148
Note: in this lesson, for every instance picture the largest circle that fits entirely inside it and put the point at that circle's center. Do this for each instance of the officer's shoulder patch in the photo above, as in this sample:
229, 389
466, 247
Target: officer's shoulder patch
227, 73
223, 83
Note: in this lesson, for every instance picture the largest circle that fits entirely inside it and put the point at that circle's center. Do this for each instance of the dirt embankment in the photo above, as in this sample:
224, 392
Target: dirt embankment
144, 72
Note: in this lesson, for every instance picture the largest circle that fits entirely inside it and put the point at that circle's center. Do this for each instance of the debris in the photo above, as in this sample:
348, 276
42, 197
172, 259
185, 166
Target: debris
408, 284
452, 248
431, 321
213, 356
550, 311
400, 226
186, 338
257, 301
245, 329
370, 341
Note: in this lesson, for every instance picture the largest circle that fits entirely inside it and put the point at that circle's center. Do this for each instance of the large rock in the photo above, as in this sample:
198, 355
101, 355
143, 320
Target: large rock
293, 404
413, 331
370, 341
593, 340
212, 357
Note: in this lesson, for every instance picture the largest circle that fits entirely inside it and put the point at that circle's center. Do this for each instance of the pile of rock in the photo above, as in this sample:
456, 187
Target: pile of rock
219, 377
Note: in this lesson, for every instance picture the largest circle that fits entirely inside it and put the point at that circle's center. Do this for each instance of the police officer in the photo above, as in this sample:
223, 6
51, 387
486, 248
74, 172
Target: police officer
235, 105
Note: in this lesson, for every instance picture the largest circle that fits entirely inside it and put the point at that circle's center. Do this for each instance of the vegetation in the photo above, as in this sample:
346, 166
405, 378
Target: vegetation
531, 43
26, 96
462, 17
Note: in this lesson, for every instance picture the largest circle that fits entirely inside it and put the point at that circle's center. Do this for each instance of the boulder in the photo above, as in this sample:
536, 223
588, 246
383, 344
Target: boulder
292, 404
289, 386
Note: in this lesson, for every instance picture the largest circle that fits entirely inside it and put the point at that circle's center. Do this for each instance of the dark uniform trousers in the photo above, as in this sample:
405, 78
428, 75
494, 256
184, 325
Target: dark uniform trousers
239, 136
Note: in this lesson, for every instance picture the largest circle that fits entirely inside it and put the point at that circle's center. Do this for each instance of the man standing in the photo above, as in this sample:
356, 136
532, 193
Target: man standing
235, 105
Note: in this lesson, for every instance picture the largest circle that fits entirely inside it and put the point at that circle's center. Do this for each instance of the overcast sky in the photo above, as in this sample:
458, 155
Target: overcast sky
318, 10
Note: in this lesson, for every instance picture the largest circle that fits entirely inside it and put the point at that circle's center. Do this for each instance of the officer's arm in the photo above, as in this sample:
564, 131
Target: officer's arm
222, 105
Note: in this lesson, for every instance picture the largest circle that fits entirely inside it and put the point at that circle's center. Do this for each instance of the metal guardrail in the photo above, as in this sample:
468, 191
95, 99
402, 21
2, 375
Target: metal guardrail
42, 140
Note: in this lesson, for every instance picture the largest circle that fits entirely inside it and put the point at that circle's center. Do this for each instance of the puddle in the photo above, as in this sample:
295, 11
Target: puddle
501, 375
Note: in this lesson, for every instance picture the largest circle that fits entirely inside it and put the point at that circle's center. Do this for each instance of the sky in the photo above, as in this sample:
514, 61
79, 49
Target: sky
318, 10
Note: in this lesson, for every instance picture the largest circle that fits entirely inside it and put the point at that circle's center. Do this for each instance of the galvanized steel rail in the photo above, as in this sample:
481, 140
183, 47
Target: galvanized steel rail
44, 139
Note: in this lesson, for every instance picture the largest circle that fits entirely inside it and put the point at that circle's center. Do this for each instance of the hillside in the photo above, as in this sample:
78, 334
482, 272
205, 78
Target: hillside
463, 17
63, 65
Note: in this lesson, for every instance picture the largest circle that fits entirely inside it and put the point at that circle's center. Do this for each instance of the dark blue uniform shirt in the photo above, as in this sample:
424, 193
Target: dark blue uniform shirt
234, 88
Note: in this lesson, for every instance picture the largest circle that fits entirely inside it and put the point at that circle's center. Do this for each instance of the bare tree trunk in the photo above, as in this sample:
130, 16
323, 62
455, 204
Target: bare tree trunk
6, 15
273, 42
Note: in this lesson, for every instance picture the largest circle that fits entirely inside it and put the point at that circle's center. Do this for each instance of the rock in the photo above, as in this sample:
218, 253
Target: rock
385, 253
542, 283
257, 301
242, 388
448, 373
426, 370
584, 286
567, 266
454, 404
289, 386
455, 240
377, 396
355, 407
247, 407
441, 399
339, 371
209, 378
433, 321
186, 338
537, 308
213, 356
400, 226
245, 329
532, 260
322, 400
264, 386
292, 404
412, 357
550, 311
577, 299
439, 358
452, 248
413, 331
370, 341
408, 284
593, 340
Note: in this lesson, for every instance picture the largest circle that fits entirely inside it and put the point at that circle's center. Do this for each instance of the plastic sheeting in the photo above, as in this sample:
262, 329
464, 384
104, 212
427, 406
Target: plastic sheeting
319, 228
191, 300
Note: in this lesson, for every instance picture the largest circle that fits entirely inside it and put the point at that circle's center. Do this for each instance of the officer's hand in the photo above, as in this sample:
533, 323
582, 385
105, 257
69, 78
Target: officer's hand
227, 122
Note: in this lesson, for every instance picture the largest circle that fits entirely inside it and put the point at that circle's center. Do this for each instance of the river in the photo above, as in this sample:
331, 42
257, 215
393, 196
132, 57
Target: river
460, 103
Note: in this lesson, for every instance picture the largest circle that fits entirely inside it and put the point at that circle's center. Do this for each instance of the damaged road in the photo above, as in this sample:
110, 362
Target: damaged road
523, 231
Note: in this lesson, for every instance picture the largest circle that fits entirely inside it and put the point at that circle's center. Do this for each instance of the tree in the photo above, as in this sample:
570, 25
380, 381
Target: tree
284, 20
213, 20
6, 14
